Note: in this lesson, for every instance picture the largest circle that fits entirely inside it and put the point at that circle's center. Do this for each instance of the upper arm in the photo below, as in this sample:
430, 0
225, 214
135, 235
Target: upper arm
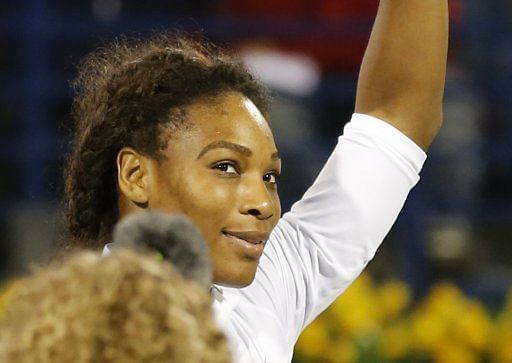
403, 70
329, 236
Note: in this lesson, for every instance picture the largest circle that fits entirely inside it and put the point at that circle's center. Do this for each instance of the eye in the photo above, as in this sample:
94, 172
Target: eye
226, 167
271, 178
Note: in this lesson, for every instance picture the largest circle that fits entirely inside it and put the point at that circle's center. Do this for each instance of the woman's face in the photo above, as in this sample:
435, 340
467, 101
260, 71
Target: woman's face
223, 173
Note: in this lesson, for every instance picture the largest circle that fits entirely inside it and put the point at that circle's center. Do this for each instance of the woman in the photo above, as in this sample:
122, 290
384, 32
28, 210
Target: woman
180, 127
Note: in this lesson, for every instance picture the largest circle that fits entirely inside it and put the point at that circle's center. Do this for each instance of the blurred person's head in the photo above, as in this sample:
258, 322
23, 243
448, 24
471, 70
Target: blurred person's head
126, 307
176, 125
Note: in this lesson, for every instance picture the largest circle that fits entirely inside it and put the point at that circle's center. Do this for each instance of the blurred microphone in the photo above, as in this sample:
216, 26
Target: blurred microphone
173, 236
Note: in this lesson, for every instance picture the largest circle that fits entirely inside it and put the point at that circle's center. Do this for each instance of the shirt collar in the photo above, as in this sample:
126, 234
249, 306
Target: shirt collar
217, 293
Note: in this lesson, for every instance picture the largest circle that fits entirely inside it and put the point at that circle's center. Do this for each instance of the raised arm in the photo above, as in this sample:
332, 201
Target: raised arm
403, 70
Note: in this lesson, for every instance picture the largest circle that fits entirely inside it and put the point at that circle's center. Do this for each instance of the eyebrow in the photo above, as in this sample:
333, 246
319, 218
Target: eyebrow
235, 147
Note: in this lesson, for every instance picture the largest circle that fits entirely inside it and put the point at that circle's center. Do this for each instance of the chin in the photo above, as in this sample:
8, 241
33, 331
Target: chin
237, 279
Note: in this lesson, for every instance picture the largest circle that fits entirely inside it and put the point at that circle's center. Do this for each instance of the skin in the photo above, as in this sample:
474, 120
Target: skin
403, 70
222, 173
401, 82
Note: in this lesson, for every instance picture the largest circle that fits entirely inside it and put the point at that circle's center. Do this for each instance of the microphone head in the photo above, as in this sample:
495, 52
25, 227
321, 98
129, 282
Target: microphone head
174, 236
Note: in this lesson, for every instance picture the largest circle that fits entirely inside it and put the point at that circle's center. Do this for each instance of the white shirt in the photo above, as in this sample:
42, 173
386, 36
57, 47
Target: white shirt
319, 248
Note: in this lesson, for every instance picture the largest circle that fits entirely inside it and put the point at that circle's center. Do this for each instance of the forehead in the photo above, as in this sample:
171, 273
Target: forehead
230, 116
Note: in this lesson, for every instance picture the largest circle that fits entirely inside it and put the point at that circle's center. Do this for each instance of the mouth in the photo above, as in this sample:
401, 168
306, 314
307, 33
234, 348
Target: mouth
250, 237
249, 243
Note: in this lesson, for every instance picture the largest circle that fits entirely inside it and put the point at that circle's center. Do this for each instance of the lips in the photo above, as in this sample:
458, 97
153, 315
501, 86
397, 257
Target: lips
249, 244
248, 236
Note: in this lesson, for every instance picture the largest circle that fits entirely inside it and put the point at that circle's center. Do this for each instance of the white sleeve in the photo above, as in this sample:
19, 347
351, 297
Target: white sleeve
329, 236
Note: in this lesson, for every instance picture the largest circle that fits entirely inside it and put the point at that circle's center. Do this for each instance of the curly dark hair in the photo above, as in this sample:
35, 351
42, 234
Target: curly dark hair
127, 94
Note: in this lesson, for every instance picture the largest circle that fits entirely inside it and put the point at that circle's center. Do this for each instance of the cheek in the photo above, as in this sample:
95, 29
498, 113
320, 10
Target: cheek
205, 199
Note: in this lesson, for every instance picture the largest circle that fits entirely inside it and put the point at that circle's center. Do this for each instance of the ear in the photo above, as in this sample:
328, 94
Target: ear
132, 175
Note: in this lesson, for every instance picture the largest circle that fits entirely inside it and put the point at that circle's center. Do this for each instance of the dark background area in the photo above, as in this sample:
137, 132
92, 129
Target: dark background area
457, 223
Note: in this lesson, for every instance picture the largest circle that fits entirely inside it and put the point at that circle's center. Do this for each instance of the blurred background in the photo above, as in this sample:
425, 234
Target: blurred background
455, 233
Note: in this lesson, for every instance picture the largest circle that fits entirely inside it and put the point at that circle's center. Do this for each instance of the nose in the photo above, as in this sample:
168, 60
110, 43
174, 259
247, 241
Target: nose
257, 200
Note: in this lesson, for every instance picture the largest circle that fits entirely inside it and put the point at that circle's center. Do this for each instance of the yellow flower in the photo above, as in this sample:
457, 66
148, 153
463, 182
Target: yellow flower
453, 353
393, 297
428, 330
445, 327
313, 342
394, 343
446, 315
501, 342
506, 315
357, 312
341, 350
6, 292
473, 326
502, 350
445, 300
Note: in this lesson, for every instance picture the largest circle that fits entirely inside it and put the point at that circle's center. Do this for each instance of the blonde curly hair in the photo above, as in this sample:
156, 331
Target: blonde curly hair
126, 307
